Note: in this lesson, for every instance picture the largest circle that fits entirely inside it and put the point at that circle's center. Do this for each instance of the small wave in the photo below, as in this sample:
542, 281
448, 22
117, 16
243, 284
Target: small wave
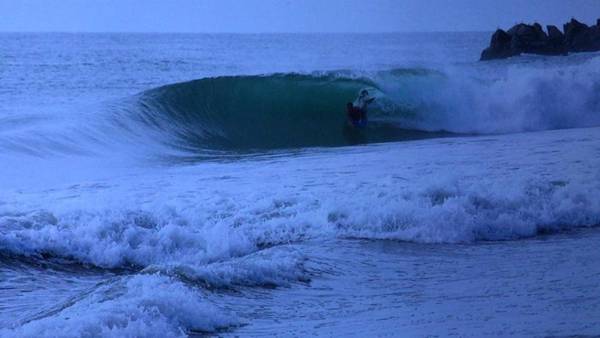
458, 213
221, 222
273, 267
142, 305
114, 238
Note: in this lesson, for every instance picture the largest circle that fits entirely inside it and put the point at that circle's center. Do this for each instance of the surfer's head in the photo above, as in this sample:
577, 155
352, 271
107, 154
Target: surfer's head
364, 92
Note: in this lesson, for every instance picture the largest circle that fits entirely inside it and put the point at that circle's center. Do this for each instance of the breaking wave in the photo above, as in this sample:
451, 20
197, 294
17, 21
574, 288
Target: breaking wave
285, 111
230, 224
294, 110
141, 305
267, 112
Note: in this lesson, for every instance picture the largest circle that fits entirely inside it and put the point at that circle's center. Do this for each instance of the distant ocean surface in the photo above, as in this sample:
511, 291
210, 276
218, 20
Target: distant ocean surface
187, 185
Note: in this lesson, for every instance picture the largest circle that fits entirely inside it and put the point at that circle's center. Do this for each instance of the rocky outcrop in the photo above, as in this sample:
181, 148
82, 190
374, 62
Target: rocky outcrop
581, 38
500, 47
529, 39
556, 40
532, 39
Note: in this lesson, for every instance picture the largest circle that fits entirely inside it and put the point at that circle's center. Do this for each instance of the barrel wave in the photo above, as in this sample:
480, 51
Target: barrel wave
291, 110
265, 112
255, 113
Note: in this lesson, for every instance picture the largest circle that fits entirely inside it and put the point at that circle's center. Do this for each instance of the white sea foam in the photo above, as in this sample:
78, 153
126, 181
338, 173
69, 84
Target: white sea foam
271, 267
445, 190
117, 237
142, 305
531, 95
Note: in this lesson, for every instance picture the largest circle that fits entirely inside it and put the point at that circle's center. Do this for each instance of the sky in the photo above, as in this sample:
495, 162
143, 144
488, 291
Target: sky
260, 16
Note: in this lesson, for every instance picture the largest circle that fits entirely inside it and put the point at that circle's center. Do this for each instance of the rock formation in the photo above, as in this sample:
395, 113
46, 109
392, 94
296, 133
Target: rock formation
532, 39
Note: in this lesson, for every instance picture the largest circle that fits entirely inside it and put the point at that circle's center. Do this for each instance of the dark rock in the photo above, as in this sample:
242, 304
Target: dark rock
500, 47
522, 38
554, 33
528, 39
577, 36
574, 27
595, 37
556, 41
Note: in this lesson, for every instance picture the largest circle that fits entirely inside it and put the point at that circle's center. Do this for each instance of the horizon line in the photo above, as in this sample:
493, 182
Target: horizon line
234, 32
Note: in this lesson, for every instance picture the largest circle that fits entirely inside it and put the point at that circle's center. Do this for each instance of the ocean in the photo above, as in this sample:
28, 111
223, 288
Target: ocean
174, 185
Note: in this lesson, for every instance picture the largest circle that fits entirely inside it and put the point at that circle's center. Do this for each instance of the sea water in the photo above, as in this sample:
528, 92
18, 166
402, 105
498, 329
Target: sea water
180, 185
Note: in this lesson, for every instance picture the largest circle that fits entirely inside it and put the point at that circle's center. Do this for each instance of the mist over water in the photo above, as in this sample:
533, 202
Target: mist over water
170, 185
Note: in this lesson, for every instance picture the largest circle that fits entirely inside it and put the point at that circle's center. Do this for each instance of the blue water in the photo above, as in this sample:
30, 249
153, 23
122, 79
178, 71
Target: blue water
181, 185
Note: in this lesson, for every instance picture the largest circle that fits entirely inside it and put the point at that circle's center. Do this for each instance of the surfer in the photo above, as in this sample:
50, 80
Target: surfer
357, 110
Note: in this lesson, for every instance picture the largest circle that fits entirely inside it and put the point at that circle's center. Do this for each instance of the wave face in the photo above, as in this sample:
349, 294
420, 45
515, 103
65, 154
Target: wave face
294, 110
264, 112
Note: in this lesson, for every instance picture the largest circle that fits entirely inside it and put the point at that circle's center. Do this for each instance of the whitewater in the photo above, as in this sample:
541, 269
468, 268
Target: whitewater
208, 185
